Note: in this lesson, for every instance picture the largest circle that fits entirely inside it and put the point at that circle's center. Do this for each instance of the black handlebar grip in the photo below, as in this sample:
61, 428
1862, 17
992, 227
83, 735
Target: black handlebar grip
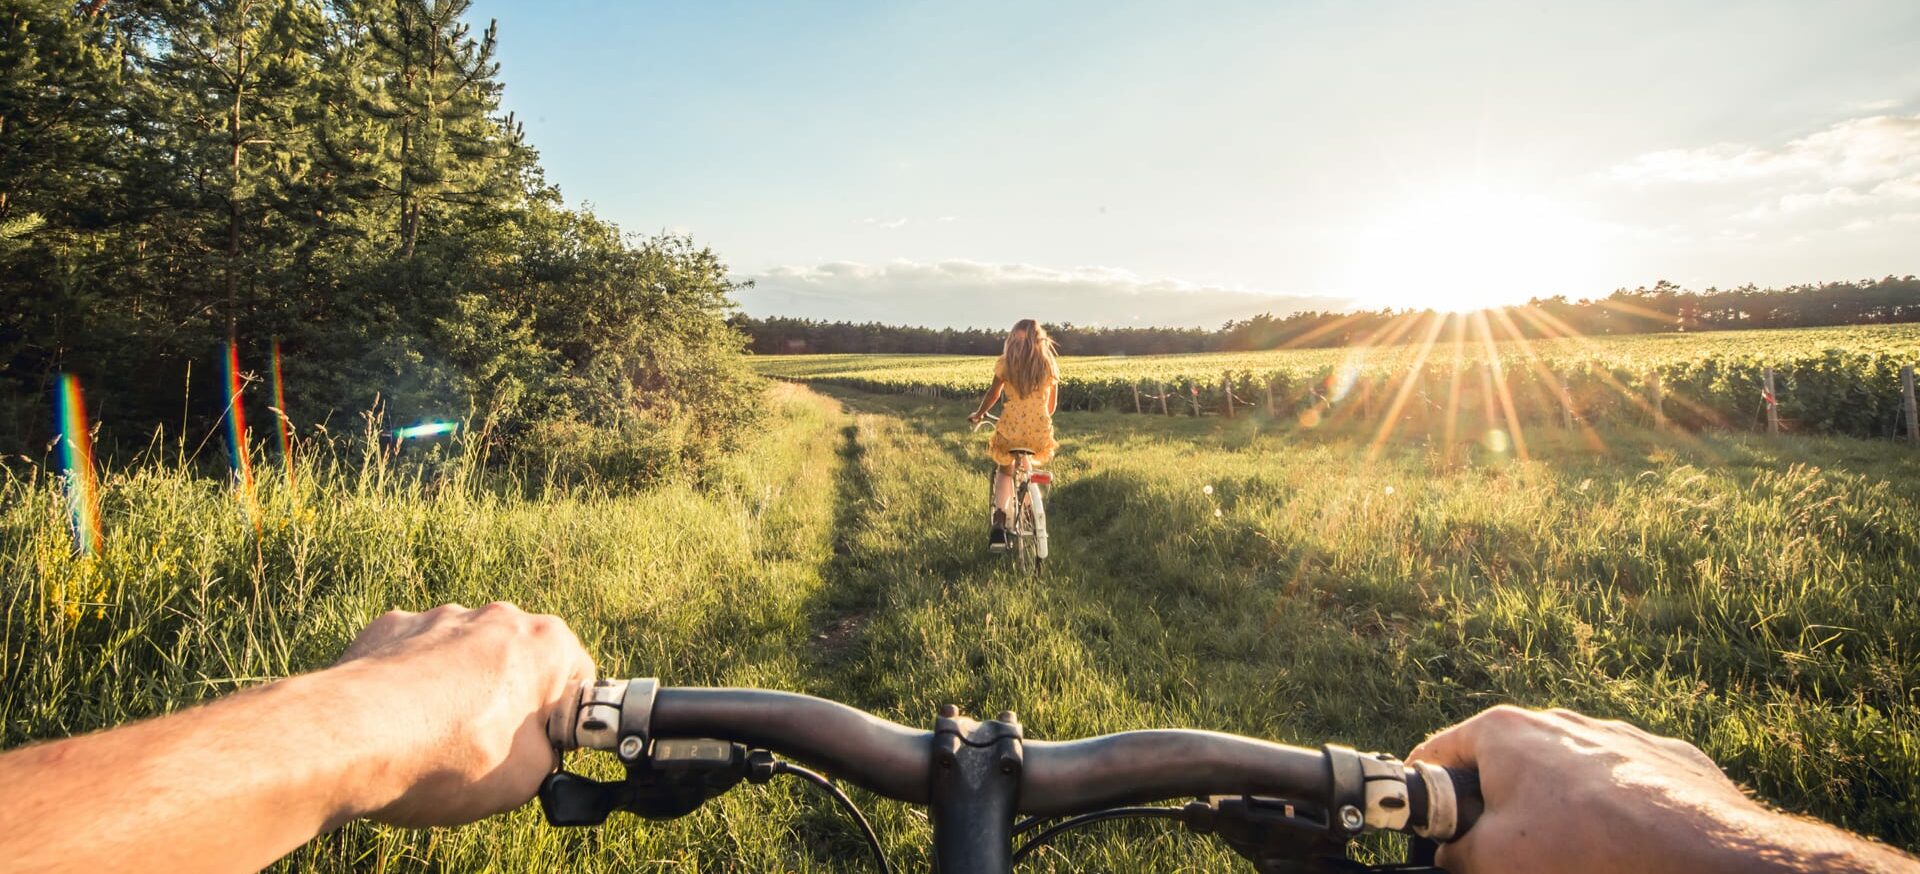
1468, 805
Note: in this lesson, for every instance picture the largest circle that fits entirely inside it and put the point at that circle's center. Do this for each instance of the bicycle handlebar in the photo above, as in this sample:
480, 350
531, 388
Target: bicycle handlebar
1360, 791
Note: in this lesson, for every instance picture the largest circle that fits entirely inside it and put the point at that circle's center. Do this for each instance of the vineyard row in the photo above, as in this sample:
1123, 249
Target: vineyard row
1860, 394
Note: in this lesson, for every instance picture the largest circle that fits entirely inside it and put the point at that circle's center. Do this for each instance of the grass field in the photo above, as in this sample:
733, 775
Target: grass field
1755, 596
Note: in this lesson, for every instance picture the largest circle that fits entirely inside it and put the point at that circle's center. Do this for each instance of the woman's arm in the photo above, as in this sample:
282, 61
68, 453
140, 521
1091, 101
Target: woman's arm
1053, 397
992, 397
433, 718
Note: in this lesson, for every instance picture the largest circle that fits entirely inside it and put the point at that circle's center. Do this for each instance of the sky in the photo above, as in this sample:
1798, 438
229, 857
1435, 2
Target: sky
1142, 163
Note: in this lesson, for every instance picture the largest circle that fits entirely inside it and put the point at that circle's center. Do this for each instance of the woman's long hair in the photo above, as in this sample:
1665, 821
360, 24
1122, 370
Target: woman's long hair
1030, 359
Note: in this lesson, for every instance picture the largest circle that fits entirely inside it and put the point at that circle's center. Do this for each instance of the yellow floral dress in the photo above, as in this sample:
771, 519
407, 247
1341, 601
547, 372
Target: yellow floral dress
1024, 422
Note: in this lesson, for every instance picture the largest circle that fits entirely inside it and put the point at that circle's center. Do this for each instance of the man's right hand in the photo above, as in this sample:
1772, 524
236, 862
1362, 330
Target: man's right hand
1565, 792
468, 691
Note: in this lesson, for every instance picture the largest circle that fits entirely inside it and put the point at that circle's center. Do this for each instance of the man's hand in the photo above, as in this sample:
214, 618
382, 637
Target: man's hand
430, 718
475, 688
1569, 793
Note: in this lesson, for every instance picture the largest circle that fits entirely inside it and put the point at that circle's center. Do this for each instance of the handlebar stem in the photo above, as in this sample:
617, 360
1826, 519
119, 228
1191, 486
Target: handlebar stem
974, 789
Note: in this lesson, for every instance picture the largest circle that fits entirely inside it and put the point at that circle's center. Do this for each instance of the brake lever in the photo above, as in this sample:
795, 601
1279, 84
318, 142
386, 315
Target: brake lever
1282, 837
670, 780
569, 799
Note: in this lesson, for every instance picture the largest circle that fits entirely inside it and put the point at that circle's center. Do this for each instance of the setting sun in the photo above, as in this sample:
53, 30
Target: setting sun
1467, 249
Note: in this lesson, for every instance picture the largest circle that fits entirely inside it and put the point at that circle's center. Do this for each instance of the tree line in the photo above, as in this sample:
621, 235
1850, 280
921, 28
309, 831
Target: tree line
337, 178
1664, 307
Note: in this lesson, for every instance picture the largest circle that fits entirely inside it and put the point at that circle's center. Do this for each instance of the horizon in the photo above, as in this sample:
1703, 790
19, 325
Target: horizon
1132, 165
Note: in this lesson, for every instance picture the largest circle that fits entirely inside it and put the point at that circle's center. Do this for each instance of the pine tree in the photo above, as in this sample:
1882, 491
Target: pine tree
233, 98
434, 87
61, 83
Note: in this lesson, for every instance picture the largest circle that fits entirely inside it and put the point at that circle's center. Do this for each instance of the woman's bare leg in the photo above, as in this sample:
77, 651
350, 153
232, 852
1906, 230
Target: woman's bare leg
1003, 490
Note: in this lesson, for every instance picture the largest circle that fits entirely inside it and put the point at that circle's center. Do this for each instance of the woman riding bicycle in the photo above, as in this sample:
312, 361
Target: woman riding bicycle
1028, 372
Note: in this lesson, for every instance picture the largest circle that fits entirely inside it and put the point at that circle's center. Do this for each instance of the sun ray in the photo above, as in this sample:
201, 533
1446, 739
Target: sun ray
1320, 331
1548, 321
1353, 369
1405, 390
1457, 323
1621, 306
1498, 376
1548, 378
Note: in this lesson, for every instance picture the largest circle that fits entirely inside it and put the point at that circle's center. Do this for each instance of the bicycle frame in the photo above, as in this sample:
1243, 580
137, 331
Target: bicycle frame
1027, 524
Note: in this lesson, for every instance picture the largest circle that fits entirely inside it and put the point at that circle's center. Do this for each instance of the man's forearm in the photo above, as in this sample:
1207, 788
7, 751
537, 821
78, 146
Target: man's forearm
232, 785
1763, 840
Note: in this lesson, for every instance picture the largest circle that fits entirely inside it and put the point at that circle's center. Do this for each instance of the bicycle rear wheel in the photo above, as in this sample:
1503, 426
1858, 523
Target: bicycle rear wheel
1025, 551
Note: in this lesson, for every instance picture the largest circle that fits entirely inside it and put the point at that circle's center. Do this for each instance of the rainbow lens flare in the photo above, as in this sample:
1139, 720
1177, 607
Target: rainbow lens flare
76, 459
280, 411
428, 429
238, 454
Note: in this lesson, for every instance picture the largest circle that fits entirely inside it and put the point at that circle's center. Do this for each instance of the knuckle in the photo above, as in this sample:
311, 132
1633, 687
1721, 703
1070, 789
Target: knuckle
495, 608
1508, 715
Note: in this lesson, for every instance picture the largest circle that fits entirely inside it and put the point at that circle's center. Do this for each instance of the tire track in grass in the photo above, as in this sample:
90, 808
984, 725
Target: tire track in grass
939, 620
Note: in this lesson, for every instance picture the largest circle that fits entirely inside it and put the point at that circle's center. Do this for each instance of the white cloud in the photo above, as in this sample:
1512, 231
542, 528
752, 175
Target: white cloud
961, 293
1859, 165
1851, 153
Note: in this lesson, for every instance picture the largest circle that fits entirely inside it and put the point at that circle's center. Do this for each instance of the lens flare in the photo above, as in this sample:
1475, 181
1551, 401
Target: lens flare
1341, 381
280, 412
76, 459
429, 429
238, 455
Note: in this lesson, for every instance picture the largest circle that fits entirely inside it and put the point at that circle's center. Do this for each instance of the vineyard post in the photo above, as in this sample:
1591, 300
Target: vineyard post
1566, 404
1271, 412
1136, 397
1163, 397
1193, 397
1772, 400
1913, 409
1226, 388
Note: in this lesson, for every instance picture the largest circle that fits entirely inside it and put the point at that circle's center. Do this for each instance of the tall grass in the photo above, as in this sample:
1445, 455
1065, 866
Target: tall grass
1753, 596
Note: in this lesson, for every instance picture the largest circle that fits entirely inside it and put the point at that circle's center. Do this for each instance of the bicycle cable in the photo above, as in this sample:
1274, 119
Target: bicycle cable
1086, 819
846, 803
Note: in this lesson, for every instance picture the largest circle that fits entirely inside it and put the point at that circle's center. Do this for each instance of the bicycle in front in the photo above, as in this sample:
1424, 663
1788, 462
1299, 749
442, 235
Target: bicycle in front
1026, 523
